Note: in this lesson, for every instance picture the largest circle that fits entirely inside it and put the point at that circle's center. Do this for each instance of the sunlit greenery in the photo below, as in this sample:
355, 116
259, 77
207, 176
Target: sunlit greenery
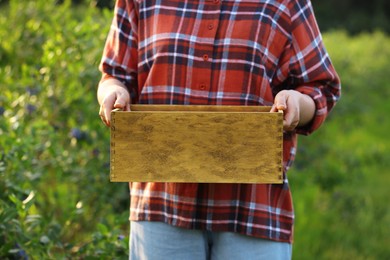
56, 200
340, 180
55, 196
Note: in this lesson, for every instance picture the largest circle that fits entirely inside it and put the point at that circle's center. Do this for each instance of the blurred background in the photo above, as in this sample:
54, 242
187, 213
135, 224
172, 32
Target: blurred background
55, 197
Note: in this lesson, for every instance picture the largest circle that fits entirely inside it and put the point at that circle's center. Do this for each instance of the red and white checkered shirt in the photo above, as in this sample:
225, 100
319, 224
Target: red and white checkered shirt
220, 52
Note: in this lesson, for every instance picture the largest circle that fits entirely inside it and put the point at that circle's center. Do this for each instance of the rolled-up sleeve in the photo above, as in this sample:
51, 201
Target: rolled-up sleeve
120, 54
310, 69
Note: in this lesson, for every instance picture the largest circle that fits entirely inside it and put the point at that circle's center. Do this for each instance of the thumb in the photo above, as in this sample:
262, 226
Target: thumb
120, 102
280, 101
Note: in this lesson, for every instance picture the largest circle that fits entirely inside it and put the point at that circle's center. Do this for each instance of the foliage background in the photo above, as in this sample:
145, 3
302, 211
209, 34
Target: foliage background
56, 201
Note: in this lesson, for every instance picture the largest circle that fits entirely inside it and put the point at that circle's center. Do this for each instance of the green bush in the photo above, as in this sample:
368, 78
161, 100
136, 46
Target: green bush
56, 200
340, 178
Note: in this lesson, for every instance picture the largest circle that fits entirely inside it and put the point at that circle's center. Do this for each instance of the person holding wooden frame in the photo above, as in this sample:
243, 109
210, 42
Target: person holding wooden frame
217, 52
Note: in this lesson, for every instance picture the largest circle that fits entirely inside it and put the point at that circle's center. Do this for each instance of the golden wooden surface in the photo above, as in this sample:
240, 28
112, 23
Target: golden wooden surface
213, 144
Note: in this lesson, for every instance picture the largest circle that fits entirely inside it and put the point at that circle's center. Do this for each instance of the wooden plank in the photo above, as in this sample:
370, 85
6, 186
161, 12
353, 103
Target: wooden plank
199, 108
213, 144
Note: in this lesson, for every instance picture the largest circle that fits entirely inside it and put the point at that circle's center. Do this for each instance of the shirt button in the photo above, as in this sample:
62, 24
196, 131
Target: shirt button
205, 57
202, 86
210, 26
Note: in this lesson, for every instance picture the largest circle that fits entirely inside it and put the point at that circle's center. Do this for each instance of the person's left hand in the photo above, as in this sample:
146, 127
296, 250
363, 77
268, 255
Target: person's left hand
298, 108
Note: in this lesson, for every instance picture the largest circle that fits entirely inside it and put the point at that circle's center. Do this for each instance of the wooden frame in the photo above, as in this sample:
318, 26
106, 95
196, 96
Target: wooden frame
205, 144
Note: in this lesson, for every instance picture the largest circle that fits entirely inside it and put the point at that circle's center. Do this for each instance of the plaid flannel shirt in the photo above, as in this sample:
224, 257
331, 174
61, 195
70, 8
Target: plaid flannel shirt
220, 52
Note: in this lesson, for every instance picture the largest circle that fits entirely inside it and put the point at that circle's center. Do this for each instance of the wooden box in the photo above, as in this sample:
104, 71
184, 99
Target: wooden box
205, 144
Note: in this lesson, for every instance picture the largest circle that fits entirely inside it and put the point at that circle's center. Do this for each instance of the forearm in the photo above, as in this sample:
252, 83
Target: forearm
306, 109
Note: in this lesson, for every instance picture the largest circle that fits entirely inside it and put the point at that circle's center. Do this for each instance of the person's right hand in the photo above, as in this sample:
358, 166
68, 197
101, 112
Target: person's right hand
112, 94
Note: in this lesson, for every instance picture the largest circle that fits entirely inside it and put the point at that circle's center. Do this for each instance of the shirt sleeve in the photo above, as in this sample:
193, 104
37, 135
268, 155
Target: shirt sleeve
120, 55
306, 66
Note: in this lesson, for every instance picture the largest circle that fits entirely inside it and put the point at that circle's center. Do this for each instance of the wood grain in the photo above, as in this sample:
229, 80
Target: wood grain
213, 144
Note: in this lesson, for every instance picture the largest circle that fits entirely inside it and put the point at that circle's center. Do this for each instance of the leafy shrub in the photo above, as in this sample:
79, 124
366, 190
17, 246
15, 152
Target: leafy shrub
56, 198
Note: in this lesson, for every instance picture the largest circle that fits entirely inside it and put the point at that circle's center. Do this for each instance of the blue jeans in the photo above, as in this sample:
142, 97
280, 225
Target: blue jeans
160, 241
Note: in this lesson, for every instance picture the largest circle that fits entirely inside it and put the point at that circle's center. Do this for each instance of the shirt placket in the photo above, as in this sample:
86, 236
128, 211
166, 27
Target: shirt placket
204, 51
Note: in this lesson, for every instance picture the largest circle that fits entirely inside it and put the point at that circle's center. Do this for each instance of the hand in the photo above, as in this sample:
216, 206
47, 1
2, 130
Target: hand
112, 94
298, 108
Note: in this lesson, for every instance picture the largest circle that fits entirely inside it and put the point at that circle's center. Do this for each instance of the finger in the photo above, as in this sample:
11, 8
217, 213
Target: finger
280, 101
127, 108
290, 120
120, 102
107, 106
107, 115
102, 115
